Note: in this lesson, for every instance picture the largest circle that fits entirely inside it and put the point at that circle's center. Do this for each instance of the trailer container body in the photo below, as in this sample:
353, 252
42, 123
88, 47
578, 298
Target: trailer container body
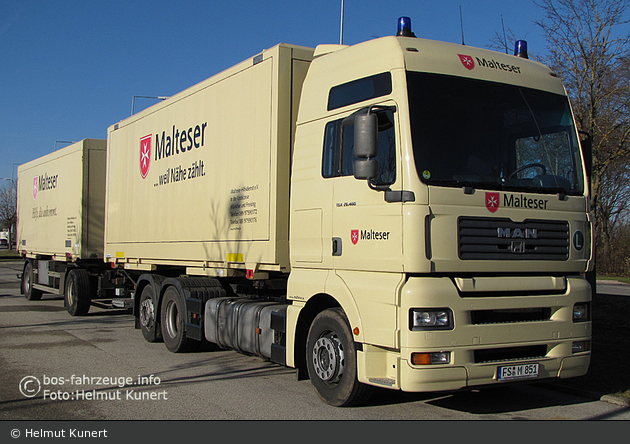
61, 202
202, 180
61, 217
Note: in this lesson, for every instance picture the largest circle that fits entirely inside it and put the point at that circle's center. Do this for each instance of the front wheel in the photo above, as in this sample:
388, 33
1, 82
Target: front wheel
332, 360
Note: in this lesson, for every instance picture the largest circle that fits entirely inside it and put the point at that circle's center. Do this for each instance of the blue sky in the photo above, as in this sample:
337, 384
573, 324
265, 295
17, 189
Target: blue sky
70, 68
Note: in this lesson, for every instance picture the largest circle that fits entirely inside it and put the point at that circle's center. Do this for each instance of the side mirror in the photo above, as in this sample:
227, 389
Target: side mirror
586, 141
366, 135
366, 146
365, 169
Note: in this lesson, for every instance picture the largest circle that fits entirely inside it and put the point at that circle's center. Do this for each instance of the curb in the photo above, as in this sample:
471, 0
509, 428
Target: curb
595, 396
611, 399
611, 282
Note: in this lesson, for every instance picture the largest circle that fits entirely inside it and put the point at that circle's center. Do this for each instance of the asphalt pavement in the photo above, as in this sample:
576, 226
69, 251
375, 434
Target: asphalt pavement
56, 367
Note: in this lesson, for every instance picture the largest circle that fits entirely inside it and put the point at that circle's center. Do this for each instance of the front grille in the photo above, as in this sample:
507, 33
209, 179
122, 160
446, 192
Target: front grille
510, 354
500, 239
511, 315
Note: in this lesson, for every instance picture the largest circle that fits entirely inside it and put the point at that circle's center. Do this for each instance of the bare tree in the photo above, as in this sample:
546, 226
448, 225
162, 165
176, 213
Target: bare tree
8, 209
588, 46
504, 41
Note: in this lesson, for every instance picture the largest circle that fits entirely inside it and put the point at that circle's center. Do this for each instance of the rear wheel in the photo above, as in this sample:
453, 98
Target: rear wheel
148, 315
173, 322
77, 294
27, 283
332, 362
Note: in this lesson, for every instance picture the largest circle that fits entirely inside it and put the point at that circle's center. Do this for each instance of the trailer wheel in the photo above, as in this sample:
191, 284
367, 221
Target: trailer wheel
77, 294
148, 315
173, 322
332, 362
29, 292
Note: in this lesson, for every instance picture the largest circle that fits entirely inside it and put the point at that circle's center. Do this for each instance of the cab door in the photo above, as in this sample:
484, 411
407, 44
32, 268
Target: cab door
366, 243
367, 230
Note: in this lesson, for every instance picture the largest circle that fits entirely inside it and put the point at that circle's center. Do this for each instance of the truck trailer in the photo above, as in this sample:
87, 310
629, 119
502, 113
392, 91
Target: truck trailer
61, 213
401, 213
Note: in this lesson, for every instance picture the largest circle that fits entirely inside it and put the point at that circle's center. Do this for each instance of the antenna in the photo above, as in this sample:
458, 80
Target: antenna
504, 37
461, 24
341, 31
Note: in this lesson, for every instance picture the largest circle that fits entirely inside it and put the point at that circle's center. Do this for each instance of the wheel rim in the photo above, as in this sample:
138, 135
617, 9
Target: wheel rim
329, 358
27, 280
147, 313
70, 293
172, 319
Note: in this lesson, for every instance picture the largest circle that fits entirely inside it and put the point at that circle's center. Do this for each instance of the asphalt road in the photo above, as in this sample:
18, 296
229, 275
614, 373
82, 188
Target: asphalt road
613, 288
57, 367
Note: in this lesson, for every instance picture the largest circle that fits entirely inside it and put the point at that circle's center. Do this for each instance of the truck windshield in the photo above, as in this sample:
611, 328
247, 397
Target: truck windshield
490, 135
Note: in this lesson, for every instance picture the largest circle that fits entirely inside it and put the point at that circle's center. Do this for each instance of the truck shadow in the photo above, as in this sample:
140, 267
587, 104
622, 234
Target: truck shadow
38, 308
495, 400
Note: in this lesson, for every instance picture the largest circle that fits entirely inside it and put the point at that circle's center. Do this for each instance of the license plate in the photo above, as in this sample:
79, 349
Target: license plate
517, 372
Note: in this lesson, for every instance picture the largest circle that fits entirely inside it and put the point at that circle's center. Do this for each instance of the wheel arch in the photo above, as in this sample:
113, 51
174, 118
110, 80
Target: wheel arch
315, 305
203, 288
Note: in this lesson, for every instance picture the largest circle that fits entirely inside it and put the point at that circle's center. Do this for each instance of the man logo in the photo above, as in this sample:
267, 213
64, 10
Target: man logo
492, 202
145, 155
467, 61
354, 236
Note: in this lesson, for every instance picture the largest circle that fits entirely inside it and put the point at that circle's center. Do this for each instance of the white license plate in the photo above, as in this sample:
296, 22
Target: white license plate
517, 372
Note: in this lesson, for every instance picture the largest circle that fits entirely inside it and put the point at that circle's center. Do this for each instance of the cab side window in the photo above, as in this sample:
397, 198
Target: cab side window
338, 155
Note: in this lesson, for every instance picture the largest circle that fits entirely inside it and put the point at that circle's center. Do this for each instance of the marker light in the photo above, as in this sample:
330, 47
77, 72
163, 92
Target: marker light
520, 49
581, 347
404, 27
431, 358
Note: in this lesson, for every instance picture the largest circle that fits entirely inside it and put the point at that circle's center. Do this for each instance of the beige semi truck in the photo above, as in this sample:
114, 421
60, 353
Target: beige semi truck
400, 213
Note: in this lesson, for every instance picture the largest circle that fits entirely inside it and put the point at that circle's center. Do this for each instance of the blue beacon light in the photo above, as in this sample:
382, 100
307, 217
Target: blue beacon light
520, 49
404, 27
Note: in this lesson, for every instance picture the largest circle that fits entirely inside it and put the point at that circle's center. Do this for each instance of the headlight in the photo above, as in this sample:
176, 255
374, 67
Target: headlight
430, 319
581, 312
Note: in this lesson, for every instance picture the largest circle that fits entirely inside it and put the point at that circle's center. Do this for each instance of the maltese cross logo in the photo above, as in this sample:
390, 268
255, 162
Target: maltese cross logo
145, 155
354, 236
35, 186
492, 202
467, 61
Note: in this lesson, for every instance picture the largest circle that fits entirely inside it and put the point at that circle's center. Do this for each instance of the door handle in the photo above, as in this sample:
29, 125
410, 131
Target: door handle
336, 246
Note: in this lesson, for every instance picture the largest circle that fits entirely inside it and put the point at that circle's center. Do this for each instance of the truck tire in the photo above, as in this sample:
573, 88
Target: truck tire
77, 294
29, 292
332, 361
148, 315
173, 322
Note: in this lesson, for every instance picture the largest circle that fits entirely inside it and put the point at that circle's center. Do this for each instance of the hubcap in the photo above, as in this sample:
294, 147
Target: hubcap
328, 358
147, 313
